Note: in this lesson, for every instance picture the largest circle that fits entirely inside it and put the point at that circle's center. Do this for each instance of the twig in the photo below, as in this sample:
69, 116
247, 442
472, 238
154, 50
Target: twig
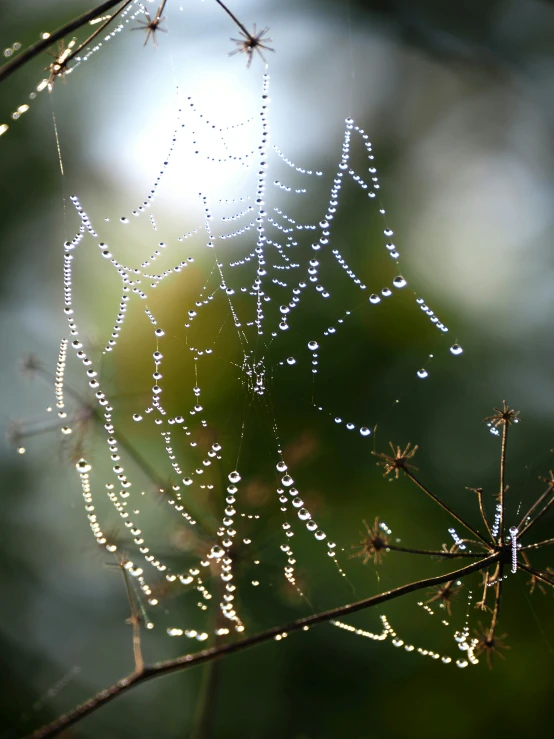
208, 655
539, 575
97, 32
34, 50
447, 508
544, 543
540, 514
234, 18
496, 611
432, 553
134, 619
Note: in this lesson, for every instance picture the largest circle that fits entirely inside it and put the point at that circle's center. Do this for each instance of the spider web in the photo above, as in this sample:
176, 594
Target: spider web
218, 319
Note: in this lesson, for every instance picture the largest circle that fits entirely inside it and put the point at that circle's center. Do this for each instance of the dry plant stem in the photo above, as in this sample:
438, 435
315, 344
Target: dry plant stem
98, 31
538, 545
538, 516
208, 655
449, 510
233, 18
135, 621
19, 61
61, 33
539, 575
522, 525
432, 553
483, 514
498, 593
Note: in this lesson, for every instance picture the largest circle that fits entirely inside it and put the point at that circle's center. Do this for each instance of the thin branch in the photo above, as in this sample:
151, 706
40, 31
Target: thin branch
217, 652
97, 32
538, 545
531, 510
498, 593
134, 620
234, 18
539, 515
479, 492
33, 51
449, 510
539, 575
432, 553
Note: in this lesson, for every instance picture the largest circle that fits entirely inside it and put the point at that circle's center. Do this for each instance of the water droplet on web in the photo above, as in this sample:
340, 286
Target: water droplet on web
281, 466
313, 345
399, 281
287, 481
320, 535
364, 431
291, 360
159, 332
124, 220
83, 466
137, 417
456, 349
374, 299
422, 374
234, 476
304, 514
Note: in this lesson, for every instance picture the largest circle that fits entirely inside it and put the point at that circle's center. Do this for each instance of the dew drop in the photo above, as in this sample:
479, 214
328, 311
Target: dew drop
422, 374
83, 466
374, 299
399, 282
234, 476
159, 332
291, 360
364, 431
137, 417
456, 350
313, 345
287, 481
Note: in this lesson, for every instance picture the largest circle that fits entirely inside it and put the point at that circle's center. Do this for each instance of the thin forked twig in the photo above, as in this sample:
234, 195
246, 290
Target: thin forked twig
539, 575
479, 492
134, 619
207, 655
445, 507
538, 515
36, 49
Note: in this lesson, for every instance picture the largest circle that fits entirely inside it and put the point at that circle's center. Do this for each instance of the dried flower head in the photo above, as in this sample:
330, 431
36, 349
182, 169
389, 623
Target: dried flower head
373, 545
250, 43
151, 25
489, 644
398, 460
445, 594
504, 415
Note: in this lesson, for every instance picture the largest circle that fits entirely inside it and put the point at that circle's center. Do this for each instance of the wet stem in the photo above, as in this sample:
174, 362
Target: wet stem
217, 652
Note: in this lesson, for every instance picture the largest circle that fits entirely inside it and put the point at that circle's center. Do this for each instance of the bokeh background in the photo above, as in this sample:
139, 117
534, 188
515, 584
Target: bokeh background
457, 99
